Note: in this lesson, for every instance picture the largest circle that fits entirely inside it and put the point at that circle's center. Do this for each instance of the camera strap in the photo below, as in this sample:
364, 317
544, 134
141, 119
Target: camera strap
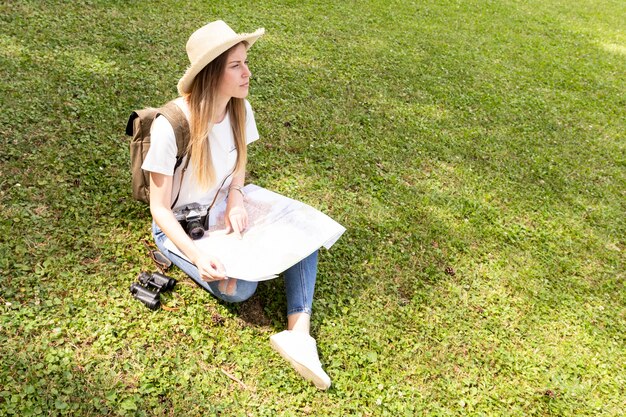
220, 188
205, 220
180, 185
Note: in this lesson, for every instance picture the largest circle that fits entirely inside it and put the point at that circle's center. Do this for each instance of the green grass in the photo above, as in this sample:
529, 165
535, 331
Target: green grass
475, 152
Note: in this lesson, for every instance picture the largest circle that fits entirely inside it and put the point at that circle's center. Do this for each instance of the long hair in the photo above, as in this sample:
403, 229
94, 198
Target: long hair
201, 99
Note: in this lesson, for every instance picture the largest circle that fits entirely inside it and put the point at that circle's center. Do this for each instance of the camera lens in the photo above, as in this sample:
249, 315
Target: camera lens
195, 229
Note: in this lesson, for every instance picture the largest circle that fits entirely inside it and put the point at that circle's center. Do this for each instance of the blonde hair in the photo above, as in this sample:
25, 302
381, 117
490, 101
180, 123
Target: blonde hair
201, 100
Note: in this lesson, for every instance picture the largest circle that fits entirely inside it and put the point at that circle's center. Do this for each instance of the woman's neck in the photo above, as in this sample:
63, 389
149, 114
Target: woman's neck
220, 107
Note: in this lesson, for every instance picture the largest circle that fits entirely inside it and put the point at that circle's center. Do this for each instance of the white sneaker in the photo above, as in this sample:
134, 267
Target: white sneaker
300, 350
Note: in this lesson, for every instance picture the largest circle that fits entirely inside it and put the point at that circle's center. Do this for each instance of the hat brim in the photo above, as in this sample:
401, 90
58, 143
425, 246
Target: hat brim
184, 84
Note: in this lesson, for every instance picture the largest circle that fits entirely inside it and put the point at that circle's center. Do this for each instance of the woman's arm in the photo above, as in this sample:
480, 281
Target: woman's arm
210, 268
236, 214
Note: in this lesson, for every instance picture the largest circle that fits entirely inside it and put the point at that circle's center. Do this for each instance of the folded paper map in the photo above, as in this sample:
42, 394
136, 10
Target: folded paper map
281, 232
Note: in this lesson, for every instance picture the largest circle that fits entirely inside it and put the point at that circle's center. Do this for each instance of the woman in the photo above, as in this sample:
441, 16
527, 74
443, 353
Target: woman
221, 122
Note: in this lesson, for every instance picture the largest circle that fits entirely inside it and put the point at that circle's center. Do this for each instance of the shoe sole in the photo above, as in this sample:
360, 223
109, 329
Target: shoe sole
301, 369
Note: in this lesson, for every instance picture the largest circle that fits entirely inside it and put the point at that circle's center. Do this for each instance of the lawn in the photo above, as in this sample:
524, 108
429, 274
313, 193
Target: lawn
474, 150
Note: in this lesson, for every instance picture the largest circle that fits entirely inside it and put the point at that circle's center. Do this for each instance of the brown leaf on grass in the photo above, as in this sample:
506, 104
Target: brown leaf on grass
550, 394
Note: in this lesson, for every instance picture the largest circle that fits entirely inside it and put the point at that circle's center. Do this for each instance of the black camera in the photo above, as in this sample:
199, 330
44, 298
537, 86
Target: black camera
149, 287
194, 218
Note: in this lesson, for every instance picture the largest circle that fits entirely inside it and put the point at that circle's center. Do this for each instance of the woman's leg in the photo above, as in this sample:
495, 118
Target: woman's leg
300, 287
232, 290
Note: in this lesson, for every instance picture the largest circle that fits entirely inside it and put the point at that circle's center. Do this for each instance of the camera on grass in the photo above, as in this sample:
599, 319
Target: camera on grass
194, 219
149, 287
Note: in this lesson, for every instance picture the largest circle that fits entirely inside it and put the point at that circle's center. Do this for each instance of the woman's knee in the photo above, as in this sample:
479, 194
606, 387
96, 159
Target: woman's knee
233, 290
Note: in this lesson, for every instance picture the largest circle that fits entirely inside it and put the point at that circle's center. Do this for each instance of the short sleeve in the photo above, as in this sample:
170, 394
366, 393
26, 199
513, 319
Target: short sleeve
252, 133
161, 157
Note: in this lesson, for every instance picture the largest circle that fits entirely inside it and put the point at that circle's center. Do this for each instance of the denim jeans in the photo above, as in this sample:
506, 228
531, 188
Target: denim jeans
299, 279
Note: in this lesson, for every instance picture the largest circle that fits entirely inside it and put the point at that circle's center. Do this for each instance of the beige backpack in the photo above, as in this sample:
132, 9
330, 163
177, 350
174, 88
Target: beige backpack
138, 127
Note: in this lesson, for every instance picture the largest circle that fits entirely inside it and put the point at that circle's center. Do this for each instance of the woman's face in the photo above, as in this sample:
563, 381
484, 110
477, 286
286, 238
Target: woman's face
236, 78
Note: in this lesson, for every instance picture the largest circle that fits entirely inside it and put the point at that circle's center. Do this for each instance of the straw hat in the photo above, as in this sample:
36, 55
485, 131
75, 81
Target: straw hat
209, 42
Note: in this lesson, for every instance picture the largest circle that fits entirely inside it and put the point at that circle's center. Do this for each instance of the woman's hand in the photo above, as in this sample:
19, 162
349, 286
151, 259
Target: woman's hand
236, 216
210, 268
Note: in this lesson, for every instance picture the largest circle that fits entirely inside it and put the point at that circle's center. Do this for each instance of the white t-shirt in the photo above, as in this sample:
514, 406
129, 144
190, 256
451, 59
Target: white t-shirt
161, 157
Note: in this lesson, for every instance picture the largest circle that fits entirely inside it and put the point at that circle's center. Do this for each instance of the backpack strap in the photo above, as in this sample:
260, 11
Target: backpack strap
179, 123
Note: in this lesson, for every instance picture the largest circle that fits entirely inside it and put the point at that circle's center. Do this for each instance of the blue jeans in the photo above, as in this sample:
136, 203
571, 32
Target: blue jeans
299, 279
